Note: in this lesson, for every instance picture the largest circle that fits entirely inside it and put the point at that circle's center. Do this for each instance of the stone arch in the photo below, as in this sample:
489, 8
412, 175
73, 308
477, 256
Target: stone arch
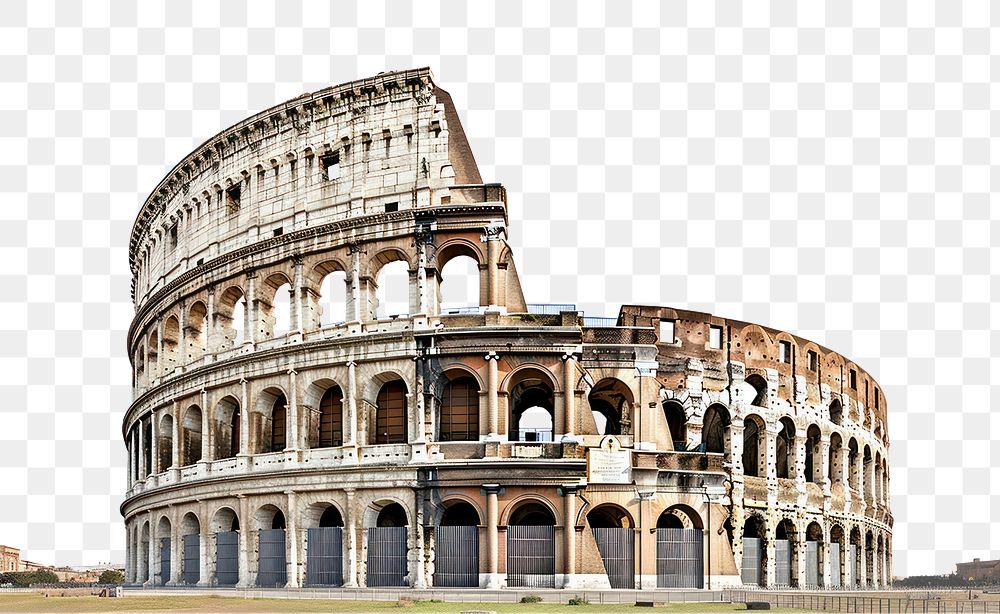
458, 416
268, 516
190, 525
836, 474
230, 318
451, 295
853, 456
813, 463
715, 431
459, 511
866, 460
275, 306
270, 406
171, 343
679, 516
784, 448
532, 511
224, 520
330, 281
611, 402
531, 390
610, 515
676, 419
386, 512
147, 445
227, 427
758, 384
322, 514
395, 291
754, 446
836, 412
165, 443
163, 527
391, 419
142, 554
196, 331
191, 435
152, 353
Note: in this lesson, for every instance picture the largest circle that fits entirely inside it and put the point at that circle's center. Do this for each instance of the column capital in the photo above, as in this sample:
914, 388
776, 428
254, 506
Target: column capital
566, 490
491, 489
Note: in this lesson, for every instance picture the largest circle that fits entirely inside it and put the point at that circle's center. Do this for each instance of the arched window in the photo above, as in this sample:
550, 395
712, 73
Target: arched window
331, 518
677, 423
532, 405
390, 414
191, 435
813, 469
759, 387
836, 412
460, 410
147, 445
197, 331
227, 428
393, 290
753, 433
784, 448
171, 340
713, 429
153, 353
333, 299
331, 418
282, 310
611, 406
392, 515
230, 318
459, 284
278, 425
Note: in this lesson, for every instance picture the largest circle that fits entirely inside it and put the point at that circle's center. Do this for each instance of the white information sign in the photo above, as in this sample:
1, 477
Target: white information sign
609, 464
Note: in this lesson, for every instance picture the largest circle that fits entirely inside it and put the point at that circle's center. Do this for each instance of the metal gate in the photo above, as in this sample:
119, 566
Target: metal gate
835, 564
191, 558
387, 556
679, 558
750, 570
456, 556
852, 556
325, 556
531, 556
617, 548
271, 568
164, 561
783, 562
813, 573
227, 561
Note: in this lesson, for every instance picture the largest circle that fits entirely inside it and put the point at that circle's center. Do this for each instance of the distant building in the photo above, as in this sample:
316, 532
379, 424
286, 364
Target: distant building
977, 569
10, 559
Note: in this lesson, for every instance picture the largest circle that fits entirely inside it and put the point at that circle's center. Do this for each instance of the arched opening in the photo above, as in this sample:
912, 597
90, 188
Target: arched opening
230, 317
191, 436
836, 412
459, 416
852, 463
278, 314
191, 549
533, 514
867, 468
147, 446
390, 414
279, 426
140, 366
392, 292
813, 470
225, 526
153, 352
457, 546
715, 429
836, 474
459, 289
165, 443
532, 407
869, 579
611, 405
677, 423
333, 293
227, 428
142, 565
814, 555
609, 517
197, 331
784, 448
331, 418
785, 544
272, 570
324, 545
163, 529
679, 548
758, 388
753, 444
531, 550
837, 556
171, 341
392, 515
753, 569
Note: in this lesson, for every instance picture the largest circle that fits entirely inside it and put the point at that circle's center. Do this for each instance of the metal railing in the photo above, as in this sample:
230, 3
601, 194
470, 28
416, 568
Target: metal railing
864, 604
550, 309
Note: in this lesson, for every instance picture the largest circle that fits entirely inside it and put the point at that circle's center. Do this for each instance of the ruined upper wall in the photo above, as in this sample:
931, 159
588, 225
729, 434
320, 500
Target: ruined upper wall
360, 148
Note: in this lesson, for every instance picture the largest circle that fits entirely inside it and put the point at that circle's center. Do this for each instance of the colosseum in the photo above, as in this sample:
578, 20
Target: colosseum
290, 429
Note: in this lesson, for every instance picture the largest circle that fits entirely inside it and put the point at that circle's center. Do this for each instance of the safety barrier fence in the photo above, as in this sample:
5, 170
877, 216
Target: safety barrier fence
865, 604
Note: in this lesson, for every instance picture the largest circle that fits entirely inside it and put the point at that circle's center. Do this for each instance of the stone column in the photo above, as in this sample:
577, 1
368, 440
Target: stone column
152, 554
569, 398
176, 439
141, 436
245, 579
292, 424
769, 572
770, 447
205, 551
355, 277
211, 339
244, 420
292, 532
825, 480
250, 311
351, 566
176, 552
417, 571
299, 296
861, 478
418, 404
736, 445
154, 444
182, 343
492, 256
492, 400
569, 535
800, 462
492, 536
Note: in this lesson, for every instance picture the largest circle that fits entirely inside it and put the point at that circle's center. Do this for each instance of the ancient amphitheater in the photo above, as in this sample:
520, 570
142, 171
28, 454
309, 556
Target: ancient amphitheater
286, 430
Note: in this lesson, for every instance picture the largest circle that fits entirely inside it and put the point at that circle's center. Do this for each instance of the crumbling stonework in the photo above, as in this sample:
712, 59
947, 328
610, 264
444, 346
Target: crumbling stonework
243, 426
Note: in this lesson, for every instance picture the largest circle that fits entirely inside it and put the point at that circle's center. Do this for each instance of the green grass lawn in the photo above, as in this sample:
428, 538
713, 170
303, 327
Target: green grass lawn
33, 602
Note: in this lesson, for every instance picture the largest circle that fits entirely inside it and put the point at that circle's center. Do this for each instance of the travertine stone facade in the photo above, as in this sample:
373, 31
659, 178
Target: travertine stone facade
273, 447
